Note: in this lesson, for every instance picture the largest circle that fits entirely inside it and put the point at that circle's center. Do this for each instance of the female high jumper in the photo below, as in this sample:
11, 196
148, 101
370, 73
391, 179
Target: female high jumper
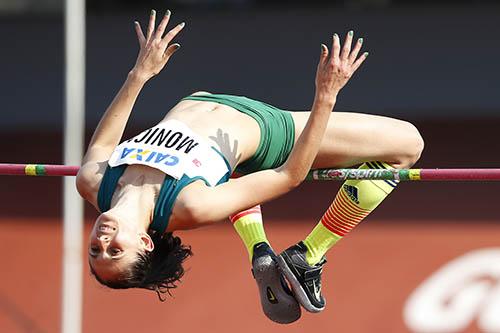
176, 176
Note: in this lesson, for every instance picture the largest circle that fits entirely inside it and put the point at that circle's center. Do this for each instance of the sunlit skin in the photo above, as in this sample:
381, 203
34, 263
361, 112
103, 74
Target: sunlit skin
321, 141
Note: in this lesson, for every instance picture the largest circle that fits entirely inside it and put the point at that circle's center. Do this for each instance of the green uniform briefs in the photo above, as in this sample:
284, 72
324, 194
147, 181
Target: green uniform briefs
277, 130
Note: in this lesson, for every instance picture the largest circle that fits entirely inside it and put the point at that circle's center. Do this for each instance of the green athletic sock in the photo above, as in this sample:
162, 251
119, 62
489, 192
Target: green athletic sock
354, 201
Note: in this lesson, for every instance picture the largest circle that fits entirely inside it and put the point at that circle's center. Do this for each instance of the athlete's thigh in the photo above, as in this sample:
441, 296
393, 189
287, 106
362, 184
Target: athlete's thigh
354, 138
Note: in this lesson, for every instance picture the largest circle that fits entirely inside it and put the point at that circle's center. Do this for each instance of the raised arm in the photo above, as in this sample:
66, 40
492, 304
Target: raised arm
332, 74
154, 54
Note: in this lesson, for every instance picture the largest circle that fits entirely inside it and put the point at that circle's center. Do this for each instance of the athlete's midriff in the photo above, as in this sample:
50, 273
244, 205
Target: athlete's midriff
207, 118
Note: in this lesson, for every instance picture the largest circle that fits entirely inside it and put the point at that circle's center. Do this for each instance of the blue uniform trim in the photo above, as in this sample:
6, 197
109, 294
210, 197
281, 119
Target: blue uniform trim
168, 194
108, 186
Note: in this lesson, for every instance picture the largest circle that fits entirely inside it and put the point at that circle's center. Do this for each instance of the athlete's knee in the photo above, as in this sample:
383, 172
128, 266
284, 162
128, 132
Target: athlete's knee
201, 92
413, 145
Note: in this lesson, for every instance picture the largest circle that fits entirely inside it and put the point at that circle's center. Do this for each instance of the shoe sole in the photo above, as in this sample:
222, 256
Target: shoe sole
286, 309
299, 292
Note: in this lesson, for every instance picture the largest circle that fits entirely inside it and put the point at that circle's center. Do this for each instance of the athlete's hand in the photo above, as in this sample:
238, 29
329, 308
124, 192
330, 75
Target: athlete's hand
155, 50
335, 70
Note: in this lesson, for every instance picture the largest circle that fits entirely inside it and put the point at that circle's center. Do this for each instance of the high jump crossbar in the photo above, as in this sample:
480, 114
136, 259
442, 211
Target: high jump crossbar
476, 175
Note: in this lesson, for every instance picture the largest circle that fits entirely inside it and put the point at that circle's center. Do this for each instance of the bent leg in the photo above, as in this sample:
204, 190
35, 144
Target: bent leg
355, 138
303, 263
351, 139
355, 200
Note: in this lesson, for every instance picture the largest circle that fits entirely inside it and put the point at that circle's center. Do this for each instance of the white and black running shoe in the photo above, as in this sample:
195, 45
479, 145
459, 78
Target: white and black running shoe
276, 298
304, 279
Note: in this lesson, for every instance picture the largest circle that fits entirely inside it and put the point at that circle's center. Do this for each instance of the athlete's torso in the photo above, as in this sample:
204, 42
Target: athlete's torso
233, 133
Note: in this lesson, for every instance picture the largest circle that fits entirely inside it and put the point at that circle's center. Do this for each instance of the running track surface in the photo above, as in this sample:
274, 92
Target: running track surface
367, 280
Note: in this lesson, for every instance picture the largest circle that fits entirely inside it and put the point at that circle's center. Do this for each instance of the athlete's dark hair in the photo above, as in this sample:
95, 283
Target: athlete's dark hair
157, 270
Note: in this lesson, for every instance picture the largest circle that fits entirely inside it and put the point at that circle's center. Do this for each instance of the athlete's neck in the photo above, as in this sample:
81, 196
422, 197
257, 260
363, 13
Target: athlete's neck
135, 203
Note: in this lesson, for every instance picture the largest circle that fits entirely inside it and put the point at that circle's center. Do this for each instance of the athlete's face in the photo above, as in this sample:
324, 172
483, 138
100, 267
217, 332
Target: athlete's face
113, 246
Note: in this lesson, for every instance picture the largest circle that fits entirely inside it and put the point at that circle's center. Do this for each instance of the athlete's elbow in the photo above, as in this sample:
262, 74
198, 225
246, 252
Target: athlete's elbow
294, 173
296, 181
292, 179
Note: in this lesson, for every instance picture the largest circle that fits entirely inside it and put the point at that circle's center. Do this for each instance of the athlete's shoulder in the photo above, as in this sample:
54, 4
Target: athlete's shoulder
89, 179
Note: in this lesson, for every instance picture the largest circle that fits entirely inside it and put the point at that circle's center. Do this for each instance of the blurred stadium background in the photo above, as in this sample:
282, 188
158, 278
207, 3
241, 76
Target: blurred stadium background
427, 260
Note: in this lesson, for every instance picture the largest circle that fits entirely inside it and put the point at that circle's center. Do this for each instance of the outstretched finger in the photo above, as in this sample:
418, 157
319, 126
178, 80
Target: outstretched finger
347, 46
358, 62
140, 34
162, 26
323, 55
171, 34
171, 50
336, 48
354, 53
151, 26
